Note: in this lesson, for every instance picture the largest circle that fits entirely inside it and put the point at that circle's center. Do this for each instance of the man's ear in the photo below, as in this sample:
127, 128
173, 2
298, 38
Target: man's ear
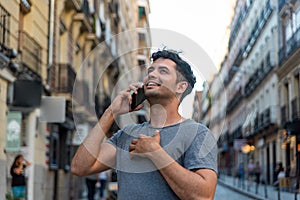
181, 87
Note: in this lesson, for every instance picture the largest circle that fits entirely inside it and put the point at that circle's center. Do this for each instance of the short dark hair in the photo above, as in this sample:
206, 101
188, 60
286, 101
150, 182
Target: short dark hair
182, 67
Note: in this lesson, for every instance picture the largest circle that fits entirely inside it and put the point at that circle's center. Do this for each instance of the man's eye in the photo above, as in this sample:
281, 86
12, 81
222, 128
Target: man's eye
163, 71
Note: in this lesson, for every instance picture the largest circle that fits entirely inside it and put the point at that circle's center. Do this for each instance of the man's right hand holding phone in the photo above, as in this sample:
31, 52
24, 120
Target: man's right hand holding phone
122, 103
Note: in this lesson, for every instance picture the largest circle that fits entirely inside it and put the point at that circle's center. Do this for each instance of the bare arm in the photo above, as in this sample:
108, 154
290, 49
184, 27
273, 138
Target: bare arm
88, 159
93, 155
27, 163
198, 184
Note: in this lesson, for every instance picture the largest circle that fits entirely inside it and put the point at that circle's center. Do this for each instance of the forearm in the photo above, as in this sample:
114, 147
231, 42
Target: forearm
185, 183
27, 163
87, 153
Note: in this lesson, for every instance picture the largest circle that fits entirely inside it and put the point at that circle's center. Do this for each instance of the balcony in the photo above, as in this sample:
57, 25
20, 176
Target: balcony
259, 122
269, 116
142, 24
259, 75
291, 46
64, 78
284, 115
241, 18
257, 29
82, 98
282, 6
234, 102
31, 53
295, 109
82, 15
73, 4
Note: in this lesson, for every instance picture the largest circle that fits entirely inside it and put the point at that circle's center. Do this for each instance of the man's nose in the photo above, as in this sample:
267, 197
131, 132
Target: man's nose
152, 74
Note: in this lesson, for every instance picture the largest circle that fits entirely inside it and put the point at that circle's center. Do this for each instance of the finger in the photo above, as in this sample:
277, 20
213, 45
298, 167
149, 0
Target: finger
131, 147
156, 136
132, 154
134, 141
135, 86
138, 107
156, 133
142, 136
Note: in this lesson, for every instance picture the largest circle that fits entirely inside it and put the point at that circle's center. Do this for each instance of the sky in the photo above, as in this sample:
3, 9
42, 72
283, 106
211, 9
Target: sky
204, 21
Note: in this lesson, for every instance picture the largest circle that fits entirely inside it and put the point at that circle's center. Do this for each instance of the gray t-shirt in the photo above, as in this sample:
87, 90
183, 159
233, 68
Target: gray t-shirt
189, 143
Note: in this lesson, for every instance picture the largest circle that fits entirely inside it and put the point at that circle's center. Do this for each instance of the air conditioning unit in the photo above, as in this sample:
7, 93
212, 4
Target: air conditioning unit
27, 93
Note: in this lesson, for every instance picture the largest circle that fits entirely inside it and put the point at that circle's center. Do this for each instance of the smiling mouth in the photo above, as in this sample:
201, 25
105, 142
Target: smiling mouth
152, 84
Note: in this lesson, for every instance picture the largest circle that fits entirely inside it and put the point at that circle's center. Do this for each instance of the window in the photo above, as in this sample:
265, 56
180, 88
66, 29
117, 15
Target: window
297, 18
142, 12
288, 31
4, 27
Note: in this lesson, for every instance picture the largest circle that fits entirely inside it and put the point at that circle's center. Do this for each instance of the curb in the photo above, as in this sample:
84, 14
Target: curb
248, 194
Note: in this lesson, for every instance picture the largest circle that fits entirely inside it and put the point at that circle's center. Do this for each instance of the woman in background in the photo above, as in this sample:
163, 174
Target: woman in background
17, 172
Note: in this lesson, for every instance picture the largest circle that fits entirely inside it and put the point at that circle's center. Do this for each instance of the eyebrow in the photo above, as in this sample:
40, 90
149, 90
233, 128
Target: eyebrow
160, 67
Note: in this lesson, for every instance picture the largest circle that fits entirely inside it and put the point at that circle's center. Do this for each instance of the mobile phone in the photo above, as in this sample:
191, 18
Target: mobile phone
138, 98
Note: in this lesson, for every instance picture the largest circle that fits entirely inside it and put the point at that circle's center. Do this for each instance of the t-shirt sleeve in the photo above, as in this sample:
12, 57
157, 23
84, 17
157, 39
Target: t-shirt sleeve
114, 139
202, 153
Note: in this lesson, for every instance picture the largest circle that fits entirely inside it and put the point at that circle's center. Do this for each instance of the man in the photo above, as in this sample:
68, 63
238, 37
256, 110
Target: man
168, 157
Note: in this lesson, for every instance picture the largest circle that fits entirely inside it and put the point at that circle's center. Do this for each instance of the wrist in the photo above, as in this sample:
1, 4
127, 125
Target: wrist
111, 112
160, 158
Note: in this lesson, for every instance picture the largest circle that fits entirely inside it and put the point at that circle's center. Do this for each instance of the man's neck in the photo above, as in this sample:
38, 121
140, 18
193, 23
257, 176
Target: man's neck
164, 115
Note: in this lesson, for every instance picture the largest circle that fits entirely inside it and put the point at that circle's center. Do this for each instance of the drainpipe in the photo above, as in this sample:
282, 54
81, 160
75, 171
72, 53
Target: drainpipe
50, 42
31, 132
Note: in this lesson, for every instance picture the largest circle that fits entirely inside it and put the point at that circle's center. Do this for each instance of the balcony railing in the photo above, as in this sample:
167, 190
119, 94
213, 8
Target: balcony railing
284, 115
31, 53
259, 25
258, 76
64, 78
295, 108
73, 4
261, 121
291, 45
237, 98
83, 96
281, 3
241, 18
82, 15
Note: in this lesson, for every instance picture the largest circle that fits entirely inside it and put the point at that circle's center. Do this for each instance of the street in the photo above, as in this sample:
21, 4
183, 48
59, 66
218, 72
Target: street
226, 193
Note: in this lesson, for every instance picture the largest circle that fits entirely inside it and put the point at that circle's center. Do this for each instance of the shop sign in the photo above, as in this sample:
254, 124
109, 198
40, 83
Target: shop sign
13, 131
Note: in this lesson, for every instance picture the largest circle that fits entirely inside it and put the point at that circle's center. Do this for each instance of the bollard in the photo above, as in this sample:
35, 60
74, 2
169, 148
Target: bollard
266, 191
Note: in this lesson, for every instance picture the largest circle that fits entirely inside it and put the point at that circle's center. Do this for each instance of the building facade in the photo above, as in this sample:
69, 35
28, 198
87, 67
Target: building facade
261, 87
288, 86
63, 51
249, 119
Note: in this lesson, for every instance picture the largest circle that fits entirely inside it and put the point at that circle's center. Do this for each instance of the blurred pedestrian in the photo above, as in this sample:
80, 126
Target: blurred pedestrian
103, 180
250, 170
241, 175
91, 181
278, 170
257, 173
17, 171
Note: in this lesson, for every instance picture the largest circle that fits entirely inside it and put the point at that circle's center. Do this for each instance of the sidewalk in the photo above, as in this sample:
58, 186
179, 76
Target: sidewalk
264, 191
